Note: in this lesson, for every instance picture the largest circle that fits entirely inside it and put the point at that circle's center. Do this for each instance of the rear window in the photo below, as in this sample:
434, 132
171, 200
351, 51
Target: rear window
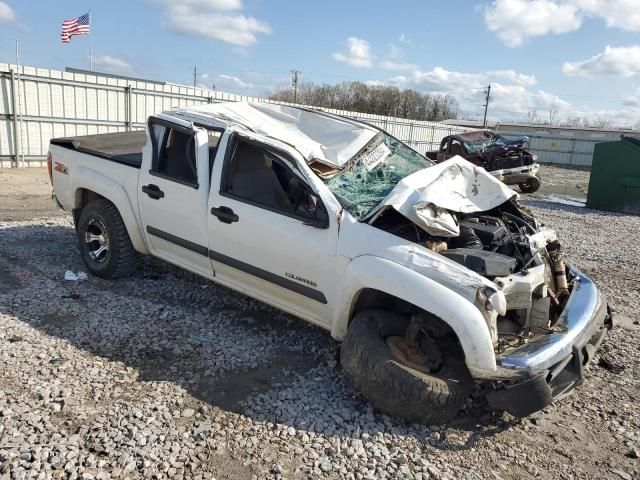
174, 154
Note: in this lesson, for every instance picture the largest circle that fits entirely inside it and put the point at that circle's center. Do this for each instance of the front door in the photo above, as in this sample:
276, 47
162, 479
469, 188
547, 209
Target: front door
172, 194
260, 237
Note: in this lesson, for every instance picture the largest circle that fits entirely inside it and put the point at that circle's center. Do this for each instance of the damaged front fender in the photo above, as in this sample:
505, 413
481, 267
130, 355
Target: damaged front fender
462, 315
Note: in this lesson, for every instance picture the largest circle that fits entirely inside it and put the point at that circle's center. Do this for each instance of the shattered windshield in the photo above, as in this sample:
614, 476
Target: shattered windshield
372, 174
480, 145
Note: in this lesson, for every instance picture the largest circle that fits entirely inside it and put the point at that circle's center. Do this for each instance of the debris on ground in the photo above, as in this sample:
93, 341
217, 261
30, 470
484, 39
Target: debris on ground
74, 277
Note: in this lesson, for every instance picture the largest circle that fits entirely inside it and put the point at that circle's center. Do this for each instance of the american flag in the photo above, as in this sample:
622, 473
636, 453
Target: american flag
76, 26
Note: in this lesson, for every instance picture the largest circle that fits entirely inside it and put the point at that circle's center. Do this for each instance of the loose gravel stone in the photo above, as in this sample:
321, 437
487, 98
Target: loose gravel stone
164, 375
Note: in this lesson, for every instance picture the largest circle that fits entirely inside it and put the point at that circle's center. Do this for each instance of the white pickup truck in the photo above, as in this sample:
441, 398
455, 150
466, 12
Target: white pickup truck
432, 276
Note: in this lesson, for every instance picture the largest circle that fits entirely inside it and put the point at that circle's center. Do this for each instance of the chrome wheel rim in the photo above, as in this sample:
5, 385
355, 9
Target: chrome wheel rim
97, 241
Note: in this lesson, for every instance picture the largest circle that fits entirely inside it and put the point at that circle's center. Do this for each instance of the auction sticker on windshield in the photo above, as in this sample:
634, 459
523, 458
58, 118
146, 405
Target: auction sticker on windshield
376, 156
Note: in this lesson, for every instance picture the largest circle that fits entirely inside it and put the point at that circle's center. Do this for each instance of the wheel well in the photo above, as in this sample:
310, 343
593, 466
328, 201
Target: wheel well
82, 198
371, 299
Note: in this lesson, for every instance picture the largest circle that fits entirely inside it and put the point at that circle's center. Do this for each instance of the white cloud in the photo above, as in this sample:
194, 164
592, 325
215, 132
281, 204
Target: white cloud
514, 21
6, 14
245, 83
357, 53
633, 101
624, 14
107, 63
225, 81
395, 51
394, 60
509, 90
440, 80
235, 80
513, 77
397, 66
218, 5
404, 39
513, 95
623, 61
214, 19
376, 83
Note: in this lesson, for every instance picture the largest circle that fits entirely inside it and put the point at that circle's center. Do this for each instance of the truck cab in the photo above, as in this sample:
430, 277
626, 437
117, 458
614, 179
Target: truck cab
432, 275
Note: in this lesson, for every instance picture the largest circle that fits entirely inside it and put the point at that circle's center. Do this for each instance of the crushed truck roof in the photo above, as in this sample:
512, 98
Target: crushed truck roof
325, 138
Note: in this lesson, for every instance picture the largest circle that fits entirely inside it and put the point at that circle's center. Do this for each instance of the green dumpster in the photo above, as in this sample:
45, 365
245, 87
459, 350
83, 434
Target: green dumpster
615, 176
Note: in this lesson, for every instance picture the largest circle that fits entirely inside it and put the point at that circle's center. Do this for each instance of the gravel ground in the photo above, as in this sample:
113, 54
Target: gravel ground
167, 375
25, 193
564, 182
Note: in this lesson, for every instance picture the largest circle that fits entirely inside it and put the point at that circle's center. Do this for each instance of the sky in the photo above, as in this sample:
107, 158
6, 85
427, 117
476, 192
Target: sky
580, 58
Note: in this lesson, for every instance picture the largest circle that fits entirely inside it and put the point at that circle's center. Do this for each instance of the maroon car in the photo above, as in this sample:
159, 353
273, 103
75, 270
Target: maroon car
504, 158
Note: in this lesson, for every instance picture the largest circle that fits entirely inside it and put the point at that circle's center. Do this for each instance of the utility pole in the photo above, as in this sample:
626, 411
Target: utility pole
195, 75
294, 84
486, 105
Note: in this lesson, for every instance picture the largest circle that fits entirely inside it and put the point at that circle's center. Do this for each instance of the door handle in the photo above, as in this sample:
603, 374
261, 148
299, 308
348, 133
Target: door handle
225, 214
153, 191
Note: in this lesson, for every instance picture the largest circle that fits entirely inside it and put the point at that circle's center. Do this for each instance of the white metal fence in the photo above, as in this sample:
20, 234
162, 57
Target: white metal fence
563, 145
39, 104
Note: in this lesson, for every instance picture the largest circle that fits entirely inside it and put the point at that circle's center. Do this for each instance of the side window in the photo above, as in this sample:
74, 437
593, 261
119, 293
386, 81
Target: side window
262, 178
175, 155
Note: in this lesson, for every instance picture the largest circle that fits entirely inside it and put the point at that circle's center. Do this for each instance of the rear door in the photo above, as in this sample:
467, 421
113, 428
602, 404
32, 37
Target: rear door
172, 192
261, 239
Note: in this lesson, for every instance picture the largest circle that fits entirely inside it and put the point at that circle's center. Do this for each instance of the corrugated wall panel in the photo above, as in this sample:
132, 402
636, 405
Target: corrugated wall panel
57, 101
6, 139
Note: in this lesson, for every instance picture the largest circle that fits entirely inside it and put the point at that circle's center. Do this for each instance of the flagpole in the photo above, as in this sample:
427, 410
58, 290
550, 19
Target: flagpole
90, 44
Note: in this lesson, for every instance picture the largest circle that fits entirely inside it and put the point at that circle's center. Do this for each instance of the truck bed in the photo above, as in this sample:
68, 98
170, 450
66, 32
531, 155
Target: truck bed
121, 147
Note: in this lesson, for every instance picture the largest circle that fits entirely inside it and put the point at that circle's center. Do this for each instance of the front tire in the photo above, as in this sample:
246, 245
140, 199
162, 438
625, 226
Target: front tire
104, 242
393, 386
530, 186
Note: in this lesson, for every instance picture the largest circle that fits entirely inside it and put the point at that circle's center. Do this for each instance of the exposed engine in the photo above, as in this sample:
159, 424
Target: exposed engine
497, 245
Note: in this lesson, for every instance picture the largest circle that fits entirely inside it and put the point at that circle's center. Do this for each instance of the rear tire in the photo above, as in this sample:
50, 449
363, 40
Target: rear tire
393, 387
530, 186
104, 242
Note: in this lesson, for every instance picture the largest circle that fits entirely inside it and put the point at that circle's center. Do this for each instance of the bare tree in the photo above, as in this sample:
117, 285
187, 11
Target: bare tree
554, 111
574, 122
532, 117
378, 99
601, 122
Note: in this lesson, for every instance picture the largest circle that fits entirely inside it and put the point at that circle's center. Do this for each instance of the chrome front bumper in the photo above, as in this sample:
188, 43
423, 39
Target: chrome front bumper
517, 175
583, 317
553, 364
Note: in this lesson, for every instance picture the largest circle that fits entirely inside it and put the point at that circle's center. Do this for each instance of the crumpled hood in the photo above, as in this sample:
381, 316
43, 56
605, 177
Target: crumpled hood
428, 196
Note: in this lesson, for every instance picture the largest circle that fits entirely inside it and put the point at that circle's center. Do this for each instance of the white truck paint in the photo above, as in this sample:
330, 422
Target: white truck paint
313, 271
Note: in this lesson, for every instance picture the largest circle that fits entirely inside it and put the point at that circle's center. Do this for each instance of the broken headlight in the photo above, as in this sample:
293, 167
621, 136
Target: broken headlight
494, 300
